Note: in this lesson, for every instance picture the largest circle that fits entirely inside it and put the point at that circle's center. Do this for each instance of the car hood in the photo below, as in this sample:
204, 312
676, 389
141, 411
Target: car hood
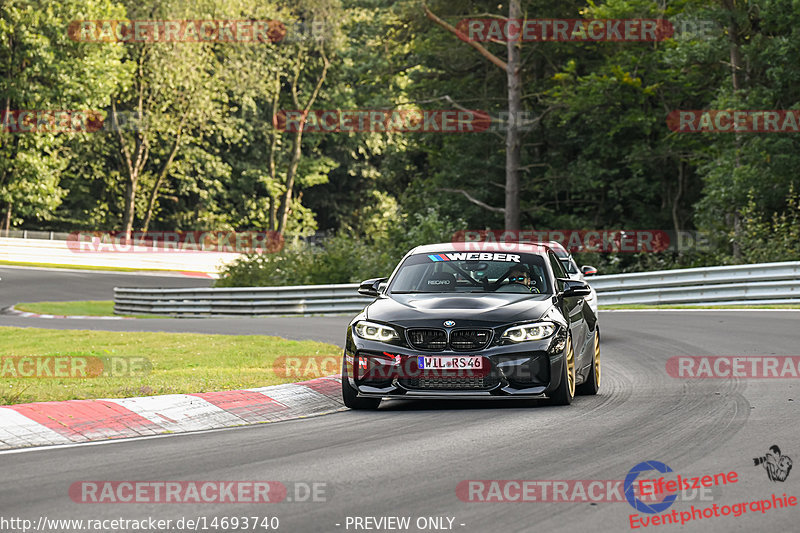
465, 309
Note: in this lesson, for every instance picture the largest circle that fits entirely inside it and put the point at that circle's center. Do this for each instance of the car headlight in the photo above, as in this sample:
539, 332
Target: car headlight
530, 332
374, 332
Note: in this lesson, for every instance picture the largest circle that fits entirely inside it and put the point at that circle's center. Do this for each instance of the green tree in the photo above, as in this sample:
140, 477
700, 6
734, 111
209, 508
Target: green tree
42, 69
176, 91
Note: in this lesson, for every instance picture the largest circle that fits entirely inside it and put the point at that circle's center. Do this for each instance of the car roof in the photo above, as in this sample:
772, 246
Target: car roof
555, 246
558, 249
503, 247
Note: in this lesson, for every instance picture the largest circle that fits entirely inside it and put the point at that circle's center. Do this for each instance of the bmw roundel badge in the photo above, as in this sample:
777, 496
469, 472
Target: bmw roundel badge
449, 323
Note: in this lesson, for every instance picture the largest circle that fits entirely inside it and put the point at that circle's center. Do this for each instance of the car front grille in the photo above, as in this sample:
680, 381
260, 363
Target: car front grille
470, 339
451, 383
460, 339
427, 339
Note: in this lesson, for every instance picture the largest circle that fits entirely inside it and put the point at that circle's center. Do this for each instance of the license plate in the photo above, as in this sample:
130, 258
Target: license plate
450, 363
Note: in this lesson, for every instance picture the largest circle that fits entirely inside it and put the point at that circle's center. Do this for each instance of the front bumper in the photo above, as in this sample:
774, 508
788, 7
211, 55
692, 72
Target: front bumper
525, 370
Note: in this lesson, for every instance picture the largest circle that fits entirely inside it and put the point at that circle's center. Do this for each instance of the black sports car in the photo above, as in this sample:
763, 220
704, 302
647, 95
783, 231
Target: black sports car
452, 323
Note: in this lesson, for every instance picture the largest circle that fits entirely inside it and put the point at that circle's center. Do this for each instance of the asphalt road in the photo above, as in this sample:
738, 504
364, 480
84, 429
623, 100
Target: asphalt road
24, 284
43, 285
407, 459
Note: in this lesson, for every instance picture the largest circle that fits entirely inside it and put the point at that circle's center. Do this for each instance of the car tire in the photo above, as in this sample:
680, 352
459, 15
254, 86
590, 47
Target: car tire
565, 392
350, 395
592, 384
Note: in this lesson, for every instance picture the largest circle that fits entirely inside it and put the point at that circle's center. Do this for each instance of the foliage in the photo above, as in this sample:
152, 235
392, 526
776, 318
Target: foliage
42, 69
598, 156
775, 238
344, 257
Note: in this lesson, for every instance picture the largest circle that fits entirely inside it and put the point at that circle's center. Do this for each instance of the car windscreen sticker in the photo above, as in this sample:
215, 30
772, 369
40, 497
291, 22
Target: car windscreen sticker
475, 256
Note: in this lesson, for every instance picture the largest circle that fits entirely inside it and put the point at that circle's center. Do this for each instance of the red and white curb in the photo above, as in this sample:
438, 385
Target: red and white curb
205, 275
75, 421
26, 314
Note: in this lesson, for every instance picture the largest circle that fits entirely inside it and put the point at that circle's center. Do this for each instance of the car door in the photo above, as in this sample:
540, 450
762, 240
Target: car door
573, 305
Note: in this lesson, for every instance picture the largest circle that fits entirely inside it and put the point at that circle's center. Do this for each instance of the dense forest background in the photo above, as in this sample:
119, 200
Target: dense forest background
197, 149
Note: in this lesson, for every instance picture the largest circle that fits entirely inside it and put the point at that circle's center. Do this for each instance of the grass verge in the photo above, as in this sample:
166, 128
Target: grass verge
106, 308
180, 362
624, 307
84, 267
80, 308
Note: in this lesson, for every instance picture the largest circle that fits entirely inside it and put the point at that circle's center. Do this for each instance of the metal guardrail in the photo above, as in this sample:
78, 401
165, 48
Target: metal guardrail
241, 301
741, 284
35, 234
764, 283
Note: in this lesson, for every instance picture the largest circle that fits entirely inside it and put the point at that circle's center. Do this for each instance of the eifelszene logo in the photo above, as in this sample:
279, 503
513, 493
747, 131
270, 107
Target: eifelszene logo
630, 495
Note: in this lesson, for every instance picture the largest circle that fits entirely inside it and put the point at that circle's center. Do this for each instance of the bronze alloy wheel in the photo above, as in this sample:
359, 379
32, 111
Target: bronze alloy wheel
597, 358
571, 367
591, 385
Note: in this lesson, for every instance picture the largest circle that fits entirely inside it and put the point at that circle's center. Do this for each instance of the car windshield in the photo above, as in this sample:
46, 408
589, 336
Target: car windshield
468, 272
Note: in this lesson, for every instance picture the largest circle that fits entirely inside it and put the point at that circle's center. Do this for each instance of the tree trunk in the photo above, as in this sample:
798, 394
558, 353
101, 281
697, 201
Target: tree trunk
297, 146
733, 41
676, 223
272, 213
134, 165
130, 196
160, 181
291, 172
513, 143
151, 203
7, 222
736, 66
271, 166
512, 69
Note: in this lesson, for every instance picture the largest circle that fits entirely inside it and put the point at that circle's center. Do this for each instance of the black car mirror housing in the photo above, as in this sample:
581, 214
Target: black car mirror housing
371, 287
573, 287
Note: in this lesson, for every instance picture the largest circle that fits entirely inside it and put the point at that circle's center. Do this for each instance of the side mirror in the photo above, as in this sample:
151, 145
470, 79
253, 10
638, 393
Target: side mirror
588, 270
573, 287
370, 286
